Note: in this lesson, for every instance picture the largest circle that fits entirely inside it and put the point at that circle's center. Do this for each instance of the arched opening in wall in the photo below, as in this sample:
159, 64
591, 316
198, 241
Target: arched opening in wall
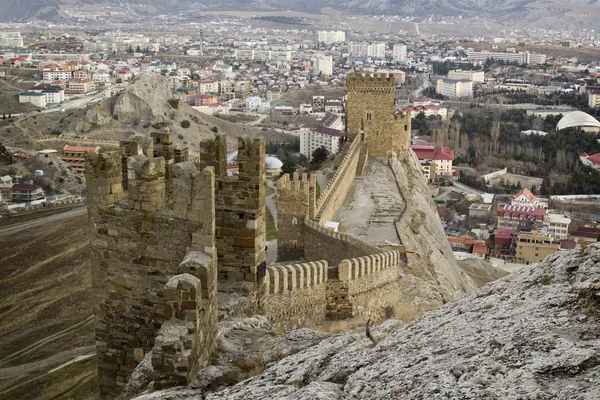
295, 244
369, 115
294, 221
405, 127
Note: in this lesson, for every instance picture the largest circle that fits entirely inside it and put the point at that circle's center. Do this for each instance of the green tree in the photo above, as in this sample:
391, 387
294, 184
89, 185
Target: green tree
289, 166
319, 155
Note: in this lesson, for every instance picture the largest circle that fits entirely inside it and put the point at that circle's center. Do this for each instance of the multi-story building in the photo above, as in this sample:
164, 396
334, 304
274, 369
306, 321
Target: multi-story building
518, 218
81, 85
399, 52
54, 94
594, 98
74, 156
524, 198
57, 75
24, 192
11, 39
253, 103
37, 99
558, 225
428, 110
323, 65
273, 94
334, 106
209, 86
533, 247
101, 77
508, 57
318, 103
375, 50
332, 36
441, 157
312, 139
454, 89
474, 76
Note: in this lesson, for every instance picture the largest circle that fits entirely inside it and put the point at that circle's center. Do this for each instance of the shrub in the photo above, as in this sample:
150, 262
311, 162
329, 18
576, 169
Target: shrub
173, 103
180, 137
216, 130
185, 124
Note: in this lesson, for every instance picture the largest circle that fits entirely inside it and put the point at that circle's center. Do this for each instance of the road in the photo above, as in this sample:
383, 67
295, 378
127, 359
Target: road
12, 229
77, 103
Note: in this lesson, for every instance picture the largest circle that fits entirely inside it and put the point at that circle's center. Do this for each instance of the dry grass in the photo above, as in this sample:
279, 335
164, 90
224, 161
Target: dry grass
406, 312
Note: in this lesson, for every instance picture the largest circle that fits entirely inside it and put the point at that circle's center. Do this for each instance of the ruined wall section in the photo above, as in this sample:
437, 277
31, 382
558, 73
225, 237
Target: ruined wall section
137, 247
333, 195
294, 296
186, 339
324, 244
296, 198
240, 207
366, 287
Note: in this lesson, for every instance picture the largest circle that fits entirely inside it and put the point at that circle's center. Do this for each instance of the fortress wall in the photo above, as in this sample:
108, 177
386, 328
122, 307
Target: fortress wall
295, 295
323, 244
367, 287
137, 244
334, 194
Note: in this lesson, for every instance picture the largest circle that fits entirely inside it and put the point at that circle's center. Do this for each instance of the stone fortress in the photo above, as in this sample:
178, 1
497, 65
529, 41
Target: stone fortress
174, 240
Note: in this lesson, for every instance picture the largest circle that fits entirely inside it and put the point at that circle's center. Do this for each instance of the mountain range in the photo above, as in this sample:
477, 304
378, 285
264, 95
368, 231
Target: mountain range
538, 13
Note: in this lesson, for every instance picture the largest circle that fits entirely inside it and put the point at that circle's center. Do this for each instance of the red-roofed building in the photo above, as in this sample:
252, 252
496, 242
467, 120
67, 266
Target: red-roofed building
481, 250
525, 199
23, 192
517, 217
428, 110
442, 157
591, 161
503, 243
75, 156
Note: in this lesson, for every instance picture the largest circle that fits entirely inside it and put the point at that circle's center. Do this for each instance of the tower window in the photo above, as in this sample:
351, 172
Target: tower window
369, 116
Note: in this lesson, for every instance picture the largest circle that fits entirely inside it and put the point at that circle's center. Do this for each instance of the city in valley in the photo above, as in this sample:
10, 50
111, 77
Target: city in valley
299, 201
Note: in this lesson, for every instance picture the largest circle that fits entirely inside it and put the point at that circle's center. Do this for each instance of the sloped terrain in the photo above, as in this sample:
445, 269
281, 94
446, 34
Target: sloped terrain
531, 335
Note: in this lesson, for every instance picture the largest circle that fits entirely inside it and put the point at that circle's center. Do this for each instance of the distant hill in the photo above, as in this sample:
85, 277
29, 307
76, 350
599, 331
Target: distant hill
552, 14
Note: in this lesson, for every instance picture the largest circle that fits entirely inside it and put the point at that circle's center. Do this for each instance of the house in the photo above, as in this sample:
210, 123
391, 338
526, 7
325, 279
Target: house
525, 199
591, 161
24, 192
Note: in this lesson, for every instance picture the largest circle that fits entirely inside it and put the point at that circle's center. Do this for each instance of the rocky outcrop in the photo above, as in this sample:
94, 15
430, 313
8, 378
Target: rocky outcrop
532, 335
144, 101
419, 228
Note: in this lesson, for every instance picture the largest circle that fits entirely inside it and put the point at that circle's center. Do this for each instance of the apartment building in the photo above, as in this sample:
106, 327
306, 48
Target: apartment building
253, 103
440, 157
11, 39
323, 65
74, 156
332, 36
473, 76
594, 98
312, 139
375, 50
81, 86
399, 52
54, 94
37, 99
558, 225
57, 75
509, 57
533, 247
24, 192
454, 89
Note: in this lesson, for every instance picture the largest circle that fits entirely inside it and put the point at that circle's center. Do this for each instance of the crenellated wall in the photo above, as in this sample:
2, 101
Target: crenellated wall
333, 195
321, 243
366, 286
294, 295
138, 243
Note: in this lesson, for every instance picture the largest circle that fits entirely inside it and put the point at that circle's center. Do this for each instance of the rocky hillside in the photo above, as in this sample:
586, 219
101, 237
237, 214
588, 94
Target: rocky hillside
145, 106
531, 335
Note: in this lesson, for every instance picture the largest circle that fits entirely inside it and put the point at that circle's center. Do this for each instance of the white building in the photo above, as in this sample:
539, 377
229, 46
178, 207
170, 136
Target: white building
323, 65
312, 139
11, 39
375, 50
101, 76
37, 99
454, 89
253, 103
58, 75
594, 98
332, 36
399, 52
474, 76
558, 225
54, 94
519, 58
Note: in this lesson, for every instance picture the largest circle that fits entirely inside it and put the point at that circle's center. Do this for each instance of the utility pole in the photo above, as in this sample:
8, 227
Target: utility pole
201, 42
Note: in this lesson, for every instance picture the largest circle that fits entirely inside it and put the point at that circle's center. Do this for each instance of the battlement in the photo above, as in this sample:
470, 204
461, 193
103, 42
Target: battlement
303, 182
358, 267
282, 278
370, 82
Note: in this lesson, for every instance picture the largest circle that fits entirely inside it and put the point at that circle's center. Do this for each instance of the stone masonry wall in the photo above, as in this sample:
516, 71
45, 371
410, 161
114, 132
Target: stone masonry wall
240, 207
366, 286
323, 244
294, 296
295, 200
137, 246
333, 196
186, 340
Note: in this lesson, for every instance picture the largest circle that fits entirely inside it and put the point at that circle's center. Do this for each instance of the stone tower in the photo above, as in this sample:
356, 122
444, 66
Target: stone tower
370, 114
296, 199
240, 207
138, 242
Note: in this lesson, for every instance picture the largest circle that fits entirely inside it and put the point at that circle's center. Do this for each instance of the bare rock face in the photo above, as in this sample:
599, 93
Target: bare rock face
534, 334
423, 235
144, 101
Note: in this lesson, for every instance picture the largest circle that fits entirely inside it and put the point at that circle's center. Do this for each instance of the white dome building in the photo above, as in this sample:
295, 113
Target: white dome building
273, 165
579, 119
